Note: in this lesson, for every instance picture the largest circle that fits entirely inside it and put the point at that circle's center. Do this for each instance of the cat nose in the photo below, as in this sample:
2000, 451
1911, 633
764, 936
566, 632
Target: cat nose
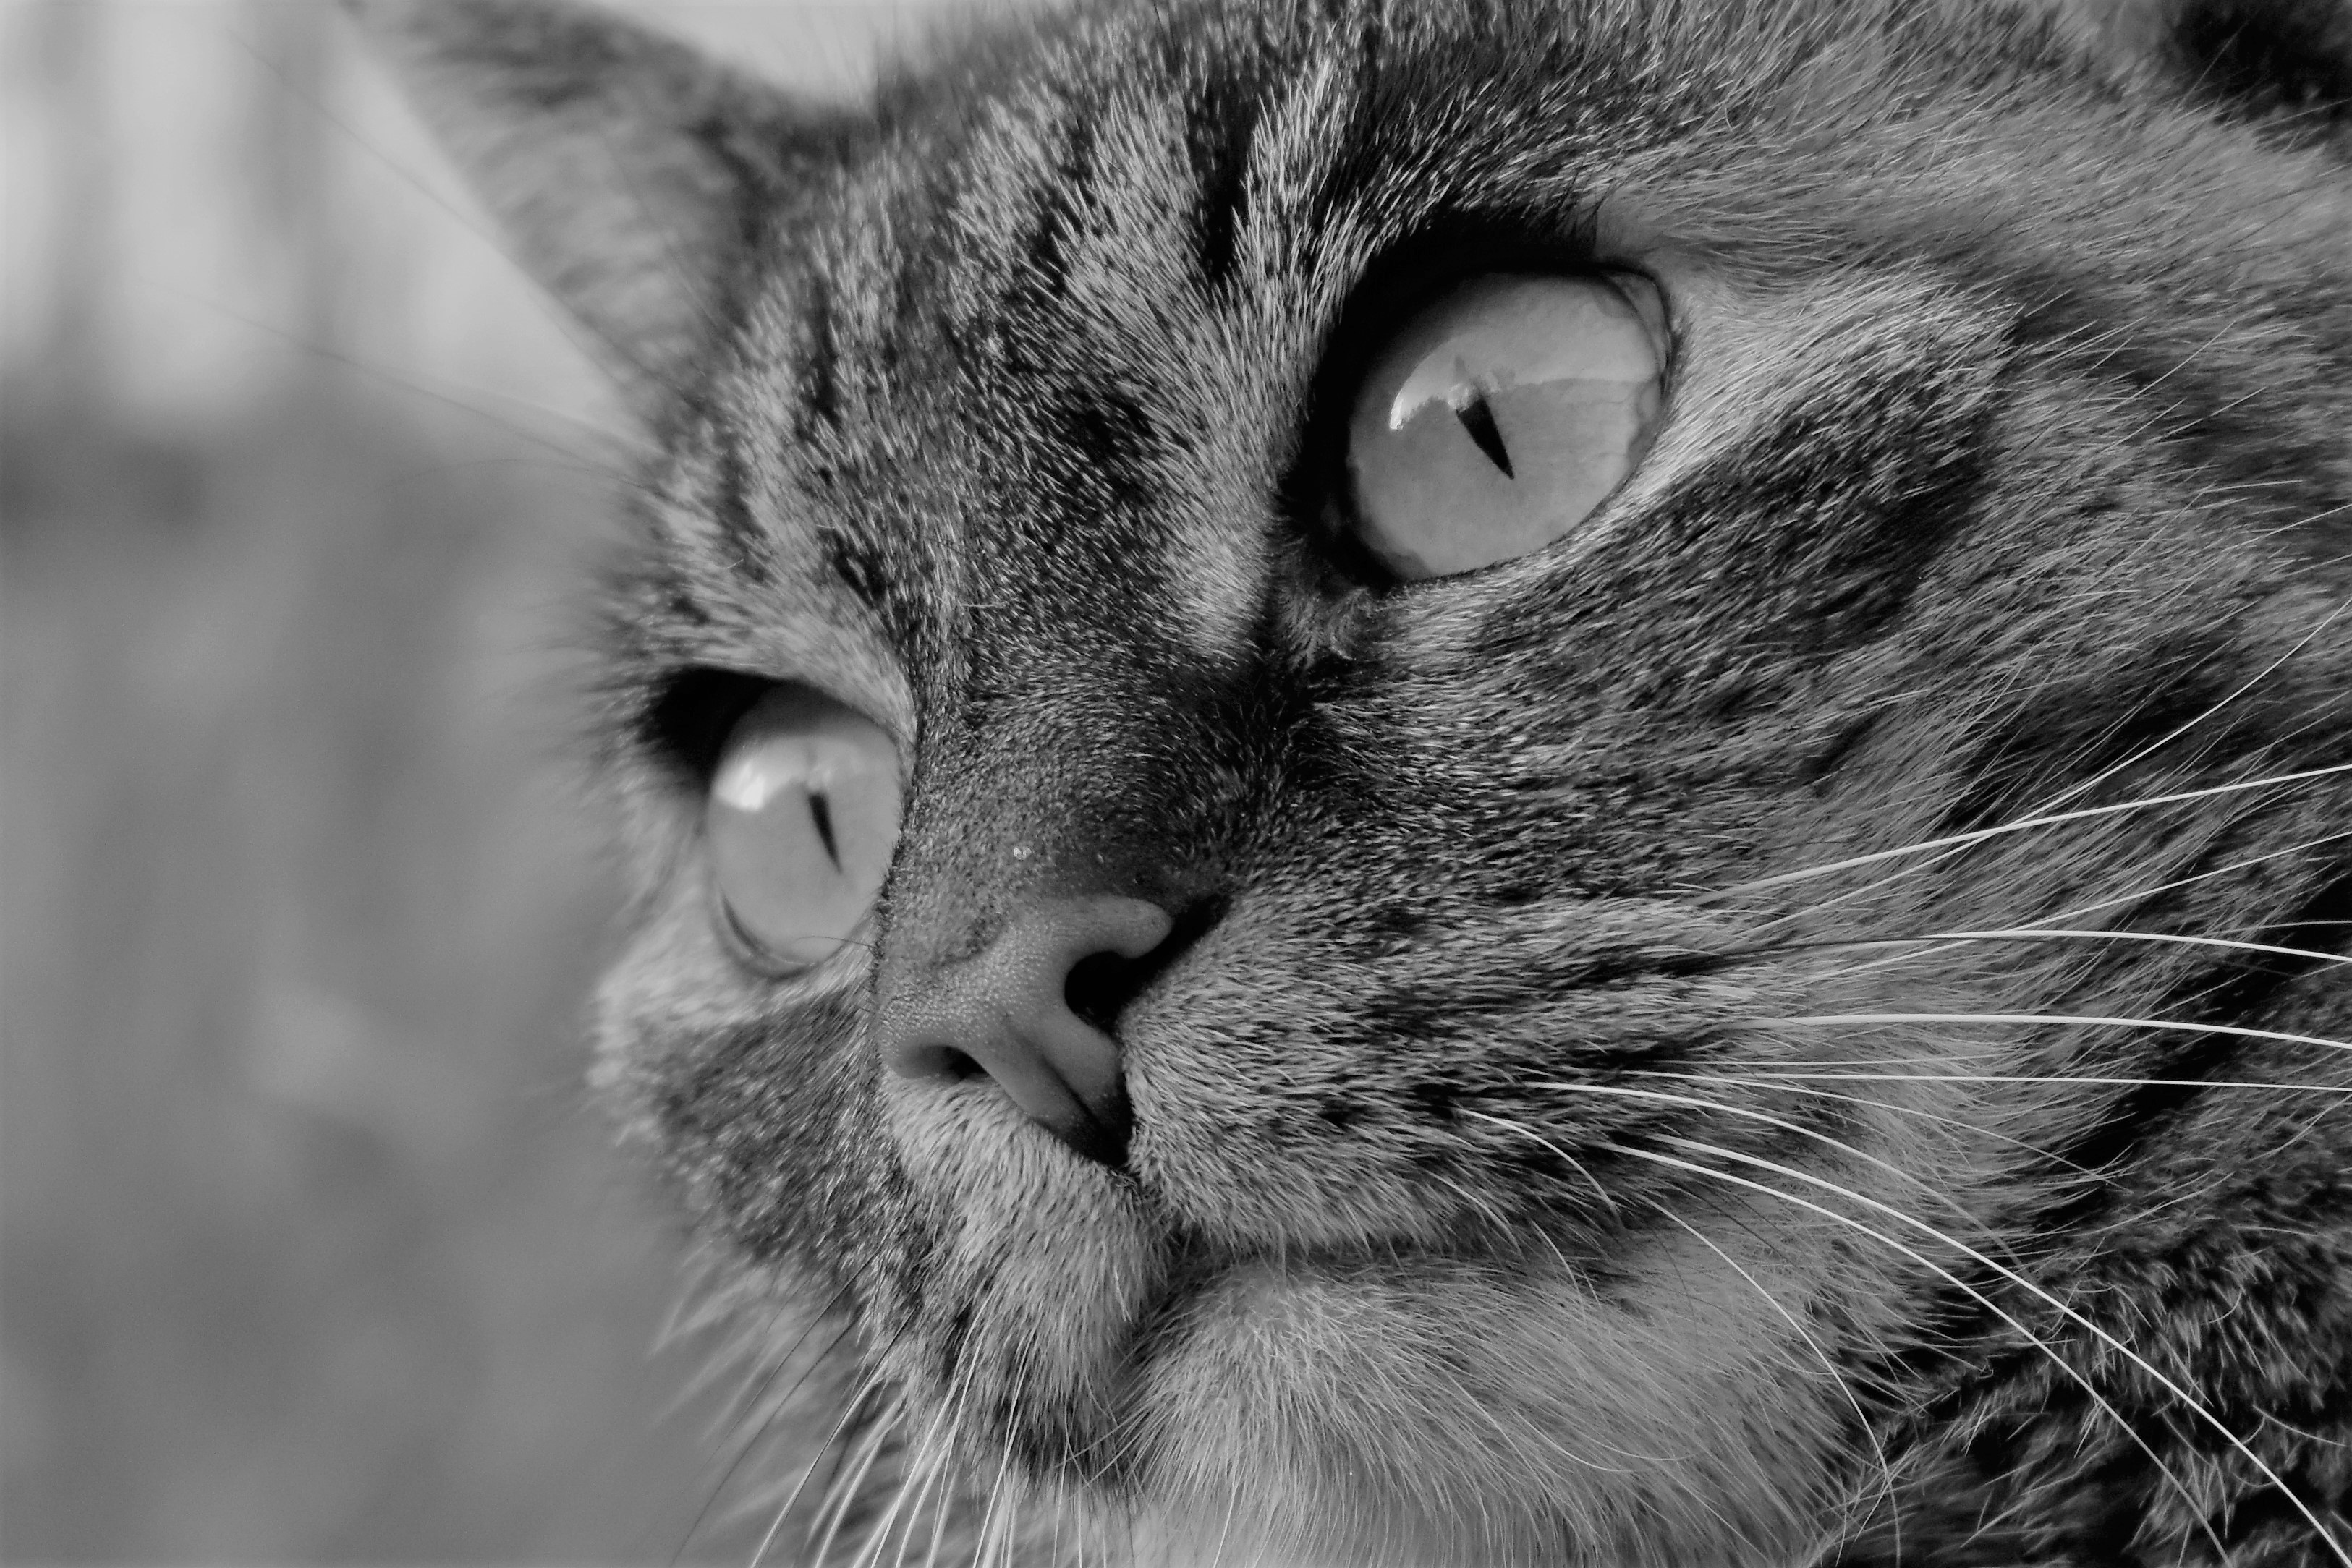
1014, 1012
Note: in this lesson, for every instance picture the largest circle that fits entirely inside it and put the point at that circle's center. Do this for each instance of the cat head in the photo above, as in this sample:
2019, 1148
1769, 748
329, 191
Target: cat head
1482, 782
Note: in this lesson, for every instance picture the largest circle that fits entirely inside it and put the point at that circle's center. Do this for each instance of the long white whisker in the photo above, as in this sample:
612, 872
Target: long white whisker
2041, 932
2205, 714
1838, 1144
1790, 1080
941, 1510
1696, 1101
865, 1387
957, 1393
1947, 1275
1608, 1199
994, 1519
2175, 1026
2135, 895
2047, 820
760, 1552
852, 1480
1939, 1061
1225, 1531
2098, 1399
877, 1533
2149, 1368
1844, 1384
1776, 1076
946, 1474
1963, 840
751, 1407
913, 1484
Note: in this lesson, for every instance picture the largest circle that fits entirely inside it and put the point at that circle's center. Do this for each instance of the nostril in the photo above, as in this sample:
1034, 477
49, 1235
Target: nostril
1100, 985
940, 1061
1035, 1010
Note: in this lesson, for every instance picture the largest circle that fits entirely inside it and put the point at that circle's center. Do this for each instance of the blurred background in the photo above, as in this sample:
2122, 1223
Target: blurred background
311, 1249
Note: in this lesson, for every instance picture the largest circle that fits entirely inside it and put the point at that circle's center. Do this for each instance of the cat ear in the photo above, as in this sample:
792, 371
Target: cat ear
631, 174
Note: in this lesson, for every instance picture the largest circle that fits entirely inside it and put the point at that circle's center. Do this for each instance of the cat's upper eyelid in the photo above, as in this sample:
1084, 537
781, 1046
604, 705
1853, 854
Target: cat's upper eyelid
689, 712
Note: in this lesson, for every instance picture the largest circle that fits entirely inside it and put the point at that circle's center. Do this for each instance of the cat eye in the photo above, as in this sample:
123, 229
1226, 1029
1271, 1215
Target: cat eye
1501, 416
801, 820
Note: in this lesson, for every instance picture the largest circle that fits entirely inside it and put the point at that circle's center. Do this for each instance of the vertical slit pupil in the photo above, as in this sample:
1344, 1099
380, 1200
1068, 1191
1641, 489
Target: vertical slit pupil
822, 815
1479, 420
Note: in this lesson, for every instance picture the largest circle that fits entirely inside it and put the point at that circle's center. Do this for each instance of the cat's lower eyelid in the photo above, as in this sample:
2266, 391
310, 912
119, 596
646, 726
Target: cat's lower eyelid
748, 953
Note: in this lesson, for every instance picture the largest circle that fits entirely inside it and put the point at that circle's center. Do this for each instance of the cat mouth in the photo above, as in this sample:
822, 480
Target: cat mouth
1338, 1384
1080, 1348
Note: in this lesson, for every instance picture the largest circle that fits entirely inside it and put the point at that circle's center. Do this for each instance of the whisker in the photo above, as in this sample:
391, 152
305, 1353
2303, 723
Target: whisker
2135, 896
2157, 1375
929, 1463
766, 1423
2040, 934
865, 1390
1695, 1102
564, 321
580, 461
2083, 1019
1924, 1261
1962, 1285
877, 1538
1926, 944
1838, 1144
996, 1521
1944, 1059
959, 1391
1608, 1199
947, 1499
1779, 1079
2045, 820
2305, 847
1966, 838
849, 1481
2032, 1079
1225, 1531
914, 1478
760, 1552
1844, 1384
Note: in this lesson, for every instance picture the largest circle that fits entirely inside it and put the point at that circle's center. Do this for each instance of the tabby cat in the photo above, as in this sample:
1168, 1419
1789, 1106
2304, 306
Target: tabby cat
1428, 782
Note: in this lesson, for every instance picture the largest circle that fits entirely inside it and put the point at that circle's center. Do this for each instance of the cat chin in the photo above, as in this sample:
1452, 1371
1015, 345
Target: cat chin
1375, 1407
1441, 1413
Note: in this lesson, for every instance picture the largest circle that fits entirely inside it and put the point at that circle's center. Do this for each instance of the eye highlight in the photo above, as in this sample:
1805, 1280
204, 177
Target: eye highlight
1500, 416
801, 820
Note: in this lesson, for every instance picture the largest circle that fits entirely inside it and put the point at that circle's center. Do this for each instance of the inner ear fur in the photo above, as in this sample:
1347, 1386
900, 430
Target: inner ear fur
633, 176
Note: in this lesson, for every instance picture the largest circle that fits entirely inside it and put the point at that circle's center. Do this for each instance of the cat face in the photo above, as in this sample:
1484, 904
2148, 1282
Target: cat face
1719, 947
